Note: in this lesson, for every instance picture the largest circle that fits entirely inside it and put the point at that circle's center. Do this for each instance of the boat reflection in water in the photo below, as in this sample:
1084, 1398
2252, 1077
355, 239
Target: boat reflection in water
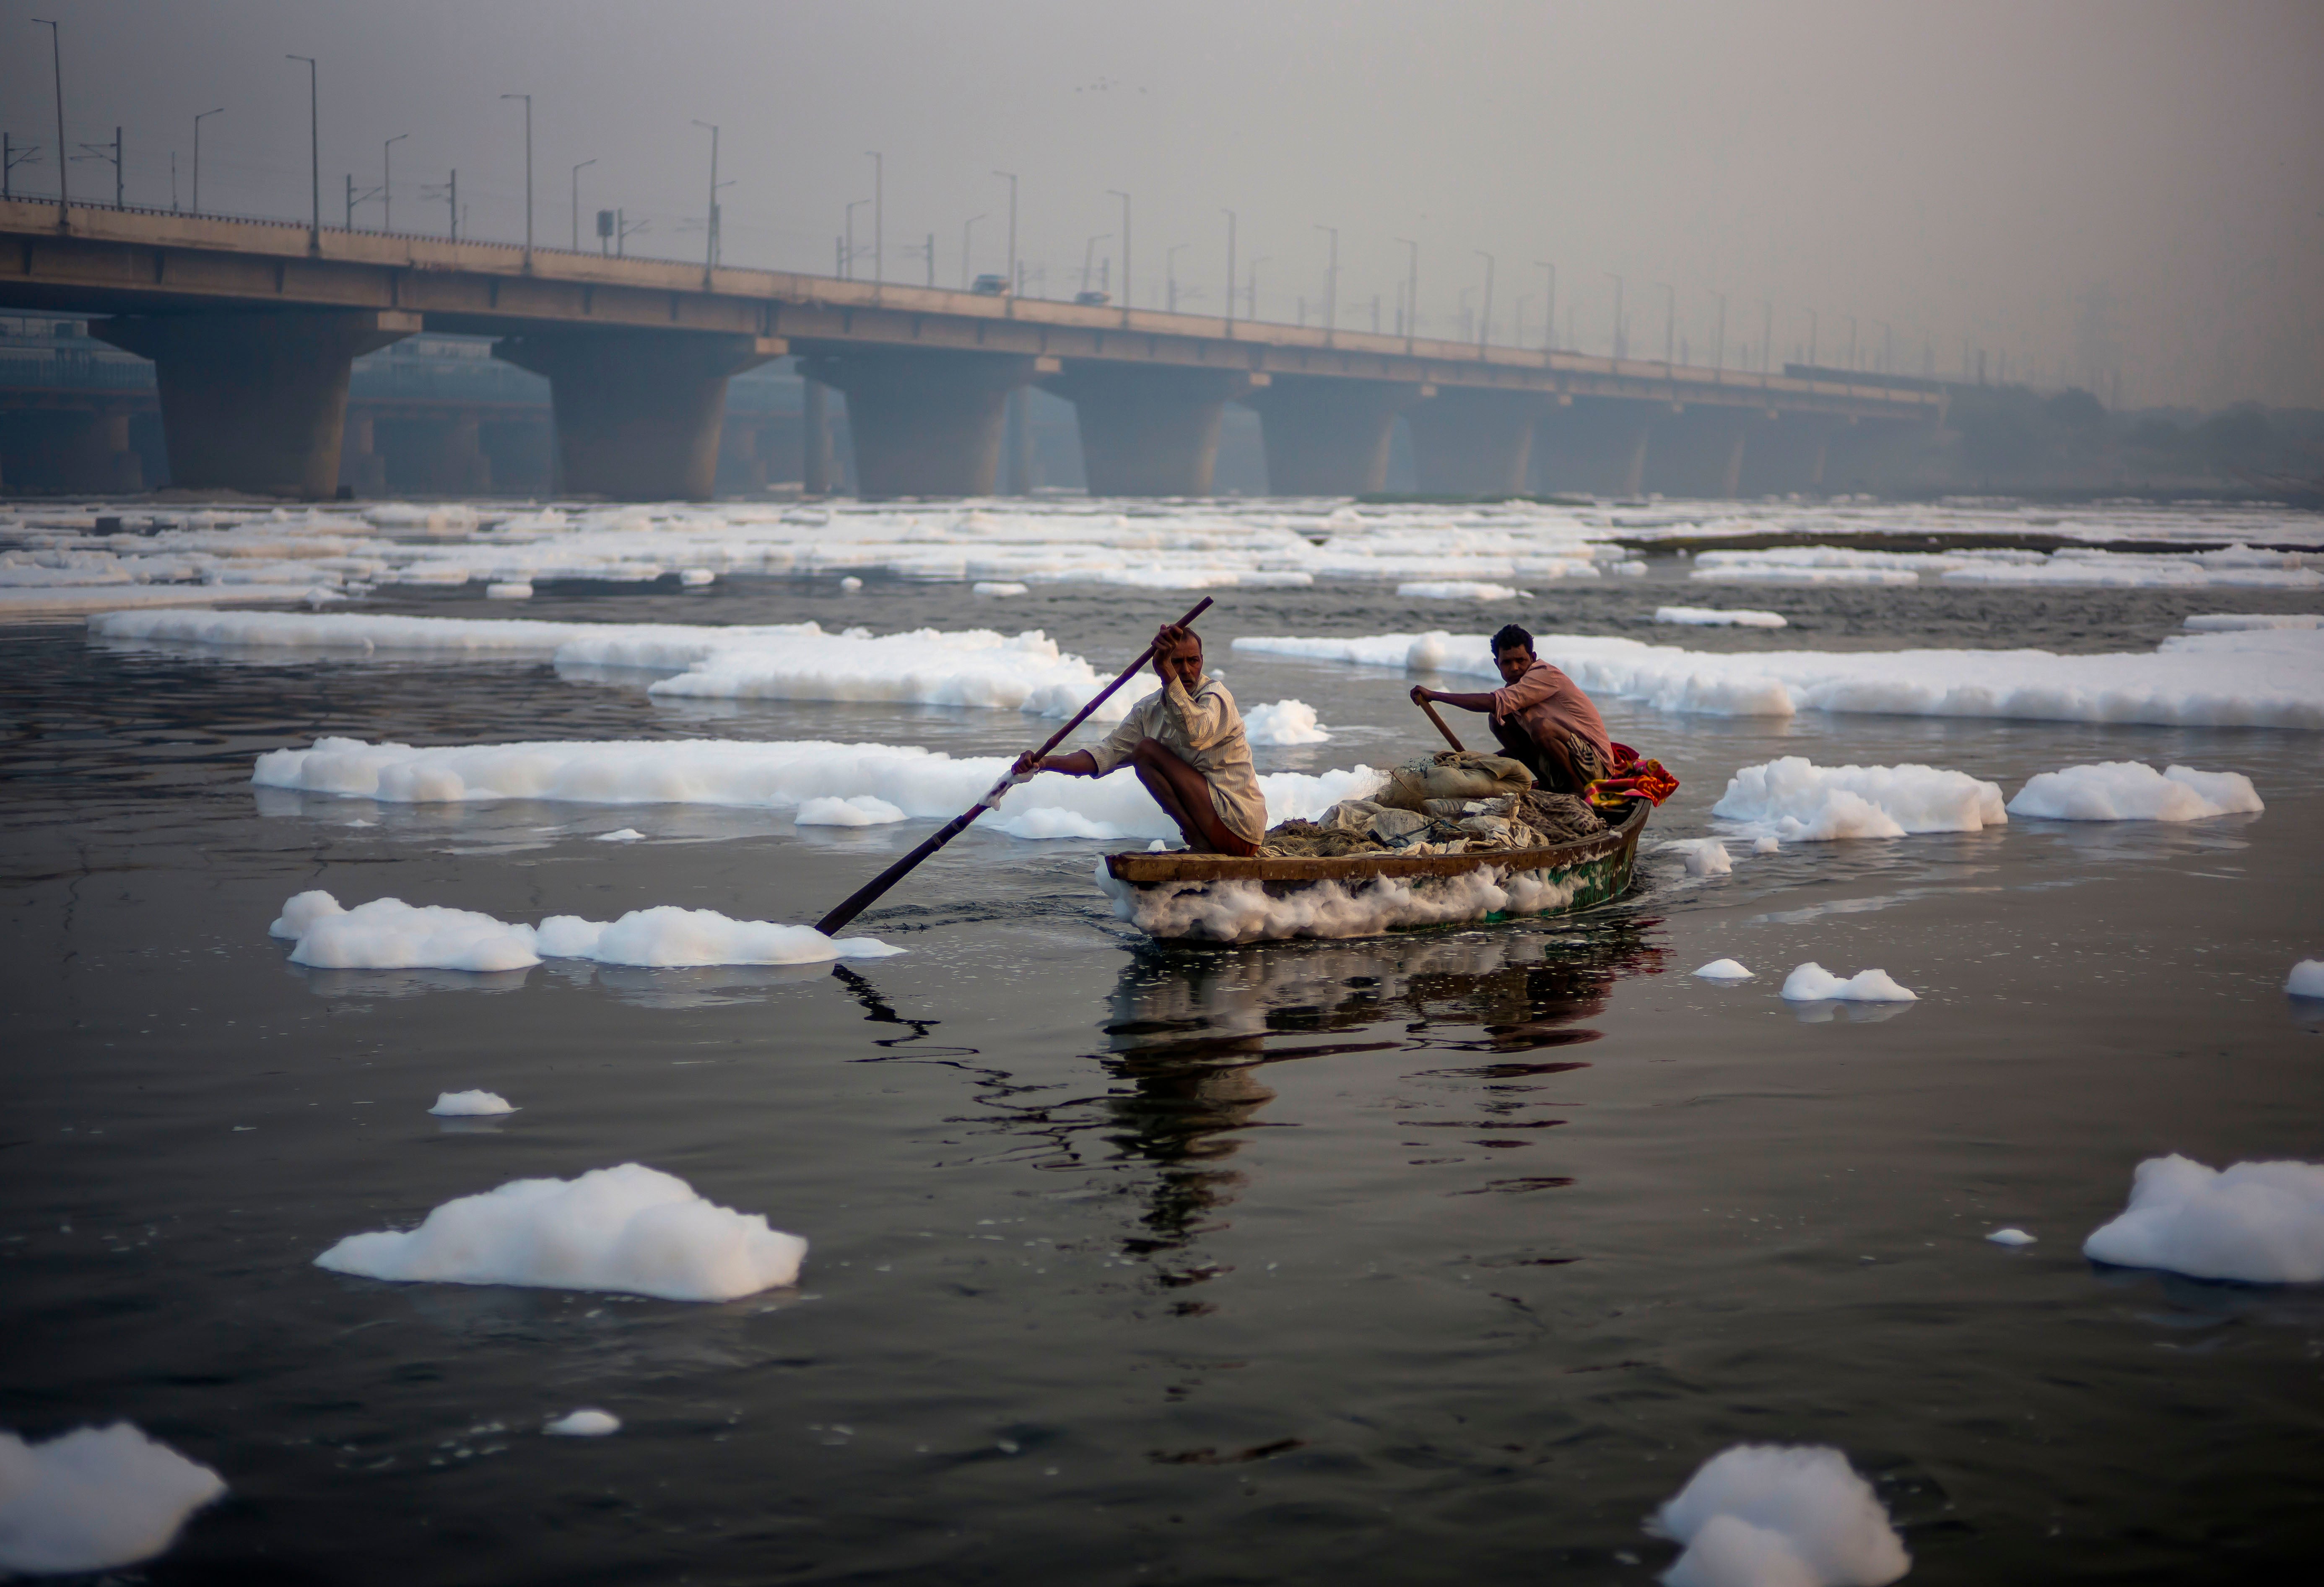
1191, 1032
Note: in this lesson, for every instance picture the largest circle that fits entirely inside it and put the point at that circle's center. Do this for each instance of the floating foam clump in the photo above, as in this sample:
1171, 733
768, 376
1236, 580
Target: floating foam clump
1704, 857
93, 1500
922, 784
2306, 980
2132, 790
1763, 1515
1724, 970
1719, 617
1796, 800
584, 1424
1285, 722
1766, 843
1812, 984
1459, 590
2256, 1223
995, 586
388, 933
622, 834
863, 810
509, 590
2240, 622
2010, 1237
630, 1230
470, 1104
2272, 678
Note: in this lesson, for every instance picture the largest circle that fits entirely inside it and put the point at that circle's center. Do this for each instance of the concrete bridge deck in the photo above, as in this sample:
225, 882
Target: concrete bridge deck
253, 324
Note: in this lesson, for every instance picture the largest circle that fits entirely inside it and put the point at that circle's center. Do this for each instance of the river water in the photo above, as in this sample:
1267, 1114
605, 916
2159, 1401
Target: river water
1439, 1258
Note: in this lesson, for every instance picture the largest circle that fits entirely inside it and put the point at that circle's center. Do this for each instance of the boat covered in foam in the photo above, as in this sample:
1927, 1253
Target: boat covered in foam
1179, 897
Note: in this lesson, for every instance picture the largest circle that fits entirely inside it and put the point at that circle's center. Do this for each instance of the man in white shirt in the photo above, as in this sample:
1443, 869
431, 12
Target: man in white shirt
1185, 743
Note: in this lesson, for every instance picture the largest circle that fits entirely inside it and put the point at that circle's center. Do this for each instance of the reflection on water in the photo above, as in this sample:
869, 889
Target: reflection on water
1191, 1032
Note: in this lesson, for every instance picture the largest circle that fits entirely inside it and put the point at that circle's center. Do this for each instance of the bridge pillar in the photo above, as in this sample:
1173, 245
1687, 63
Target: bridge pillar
1790, 455
926, 423
1473, 443
1598, 447
1700, 452
638, 412
1327, 437
1149, 431
815, 457
362, 470
97, 456
256, 400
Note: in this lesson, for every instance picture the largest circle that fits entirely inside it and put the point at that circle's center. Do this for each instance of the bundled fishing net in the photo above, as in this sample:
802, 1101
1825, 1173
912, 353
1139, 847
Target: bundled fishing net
1453, 774
1528, 819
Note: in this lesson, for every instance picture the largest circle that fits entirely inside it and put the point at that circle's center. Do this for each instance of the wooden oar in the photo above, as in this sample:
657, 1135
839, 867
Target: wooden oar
863, 896
1430, 706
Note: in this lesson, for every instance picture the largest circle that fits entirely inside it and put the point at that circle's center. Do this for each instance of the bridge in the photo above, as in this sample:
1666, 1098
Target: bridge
253, 326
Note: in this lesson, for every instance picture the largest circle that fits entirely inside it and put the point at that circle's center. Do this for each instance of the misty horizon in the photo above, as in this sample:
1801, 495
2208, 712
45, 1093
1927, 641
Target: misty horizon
2121, 198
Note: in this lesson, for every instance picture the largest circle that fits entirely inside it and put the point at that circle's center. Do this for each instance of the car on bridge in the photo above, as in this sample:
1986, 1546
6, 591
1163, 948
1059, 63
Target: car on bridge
990, 286
1093, 299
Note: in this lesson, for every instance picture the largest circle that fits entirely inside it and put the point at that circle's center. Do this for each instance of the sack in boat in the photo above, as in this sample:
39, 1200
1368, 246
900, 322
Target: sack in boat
1383, 822
1306, 839
1453, 774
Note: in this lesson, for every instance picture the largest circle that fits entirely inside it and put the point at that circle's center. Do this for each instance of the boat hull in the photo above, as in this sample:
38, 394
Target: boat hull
1221, 898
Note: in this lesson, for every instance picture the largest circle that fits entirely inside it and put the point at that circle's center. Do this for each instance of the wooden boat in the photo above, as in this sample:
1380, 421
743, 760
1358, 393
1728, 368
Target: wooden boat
1222, 897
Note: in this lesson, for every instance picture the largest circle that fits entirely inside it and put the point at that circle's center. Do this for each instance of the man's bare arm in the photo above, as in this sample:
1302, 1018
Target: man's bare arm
1481, 702
1080, 763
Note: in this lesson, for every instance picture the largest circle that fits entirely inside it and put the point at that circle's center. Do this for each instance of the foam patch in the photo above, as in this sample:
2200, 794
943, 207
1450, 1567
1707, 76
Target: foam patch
1795, 800
95, 1499
2131, 790
1775, 1516
2256, 1223
629, 1229
1811, 983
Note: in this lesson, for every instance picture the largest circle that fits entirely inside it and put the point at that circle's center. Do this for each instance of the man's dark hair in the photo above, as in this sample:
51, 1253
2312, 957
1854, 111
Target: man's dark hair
1510, 638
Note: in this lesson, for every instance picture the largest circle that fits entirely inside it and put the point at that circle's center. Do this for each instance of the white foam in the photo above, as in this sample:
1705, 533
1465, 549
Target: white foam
622, 834
1762, 1515
863, 810
1811, 983
629, 1229
2271, 679
95, 1499
1795, 800
2131, 790
509, 589
2306, 980
1459, 590
1719, 617
2256, 1223
1724, 970
995, 586
2010, 1237
584, 1424
851, 584
1243, 911
1704, 857
2069, 566
1766, 844
2242, 621
778, 775
388, 933
1284, 722
470, 1104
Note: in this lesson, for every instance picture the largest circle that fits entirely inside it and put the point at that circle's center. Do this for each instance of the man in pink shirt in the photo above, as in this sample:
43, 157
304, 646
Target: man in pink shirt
1541, 716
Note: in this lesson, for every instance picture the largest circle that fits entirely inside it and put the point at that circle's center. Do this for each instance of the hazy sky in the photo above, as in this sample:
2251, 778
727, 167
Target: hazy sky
2088, 188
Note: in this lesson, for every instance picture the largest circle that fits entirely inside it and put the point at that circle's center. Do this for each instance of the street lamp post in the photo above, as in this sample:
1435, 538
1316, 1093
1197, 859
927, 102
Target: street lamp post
847, 254
1117, 193
386, 189
1852, 342
1766, 335
1670, 324
1170, 274
879, 215
1089, 252
1230, 268
1332, 283
1619, 348
1811, 338
1012, 177
314, 151
577, 202
967, 235
1718, 355
710, 217
57, 64
197, 155
1549, 322
1411, 292
1250, 299
1485, 320
527, 176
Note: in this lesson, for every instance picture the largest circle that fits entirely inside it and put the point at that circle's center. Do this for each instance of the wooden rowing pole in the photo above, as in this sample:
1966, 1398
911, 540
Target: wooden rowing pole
1430, 706
862, 898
